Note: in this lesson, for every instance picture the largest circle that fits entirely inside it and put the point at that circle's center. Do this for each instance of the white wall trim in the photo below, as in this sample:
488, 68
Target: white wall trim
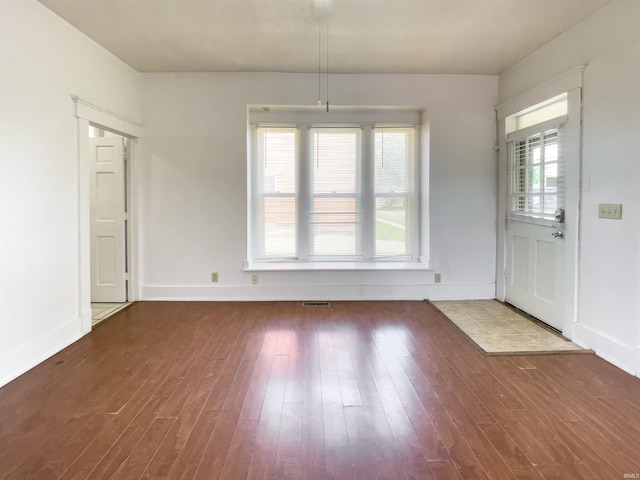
17, 361
88, 113
101, 116
623, 357
283, 292
562, 83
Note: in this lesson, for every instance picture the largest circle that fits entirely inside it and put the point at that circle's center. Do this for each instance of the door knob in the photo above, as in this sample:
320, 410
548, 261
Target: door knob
558, 234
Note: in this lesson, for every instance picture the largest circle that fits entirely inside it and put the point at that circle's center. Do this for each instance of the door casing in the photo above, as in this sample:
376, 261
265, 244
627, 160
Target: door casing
87, 113
570, 82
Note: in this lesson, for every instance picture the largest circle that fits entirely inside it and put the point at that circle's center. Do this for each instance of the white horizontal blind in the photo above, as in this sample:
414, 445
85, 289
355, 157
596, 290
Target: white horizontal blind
276, 193
326, 192
334, 218
537, 174
393, 190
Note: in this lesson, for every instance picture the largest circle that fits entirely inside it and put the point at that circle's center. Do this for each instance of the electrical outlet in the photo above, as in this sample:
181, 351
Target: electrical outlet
214, 277
254, 279
437, 277
610, 210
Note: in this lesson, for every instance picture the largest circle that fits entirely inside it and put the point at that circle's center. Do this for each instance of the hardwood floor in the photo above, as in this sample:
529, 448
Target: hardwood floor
371, 390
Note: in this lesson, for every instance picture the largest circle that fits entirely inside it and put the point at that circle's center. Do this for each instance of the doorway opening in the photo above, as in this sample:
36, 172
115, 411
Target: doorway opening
539, 134
109, 205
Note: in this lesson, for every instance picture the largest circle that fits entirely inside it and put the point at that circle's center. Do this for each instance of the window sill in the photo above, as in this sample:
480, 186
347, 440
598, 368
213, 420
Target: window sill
332, 266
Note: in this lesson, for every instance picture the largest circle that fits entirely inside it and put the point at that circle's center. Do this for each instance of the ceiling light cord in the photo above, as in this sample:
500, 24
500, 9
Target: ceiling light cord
327, 28
319, 62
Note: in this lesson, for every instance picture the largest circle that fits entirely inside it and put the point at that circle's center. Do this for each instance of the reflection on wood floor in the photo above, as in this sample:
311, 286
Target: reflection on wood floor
359, 390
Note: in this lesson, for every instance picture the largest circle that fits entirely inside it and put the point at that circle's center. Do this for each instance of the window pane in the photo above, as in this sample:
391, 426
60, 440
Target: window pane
391, 226
278, 161
534, 149
551, 178
333, 226
279, 227
276, 185
335, 160
536, 174
533, 183
519, 203
550, 204
534, 204
393, 159
551, 147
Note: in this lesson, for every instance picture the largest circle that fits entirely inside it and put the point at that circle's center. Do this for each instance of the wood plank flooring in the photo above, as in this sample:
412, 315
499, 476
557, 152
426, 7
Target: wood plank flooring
359, 390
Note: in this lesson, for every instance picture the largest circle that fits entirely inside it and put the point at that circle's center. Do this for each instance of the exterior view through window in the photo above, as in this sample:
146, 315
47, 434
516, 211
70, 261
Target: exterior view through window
334, 193
534, 188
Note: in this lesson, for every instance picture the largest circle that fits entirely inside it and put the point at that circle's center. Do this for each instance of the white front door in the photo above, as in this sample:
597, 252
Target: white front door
540, 134
535, 237
108, 250
535, 275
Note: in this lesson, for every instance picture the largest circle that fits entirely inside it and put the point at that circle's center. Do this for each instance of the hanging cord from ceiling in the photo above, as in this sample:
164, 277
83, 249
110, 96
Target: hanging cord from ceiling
327, 42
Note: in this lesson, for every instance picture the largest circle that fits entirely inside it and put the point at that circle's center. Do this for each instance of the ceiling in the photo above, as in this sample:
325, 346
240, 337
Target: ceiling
364, 36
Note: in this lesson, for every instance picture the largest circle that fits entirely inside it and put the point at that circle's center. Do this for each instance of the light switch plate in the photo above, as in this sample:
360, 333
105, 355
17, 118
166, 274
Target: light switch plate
610, 210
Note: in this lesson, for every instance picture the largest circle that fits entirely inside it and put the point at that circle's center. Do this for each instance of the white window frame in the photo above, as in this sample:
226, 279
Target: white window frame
540, 130
366, 255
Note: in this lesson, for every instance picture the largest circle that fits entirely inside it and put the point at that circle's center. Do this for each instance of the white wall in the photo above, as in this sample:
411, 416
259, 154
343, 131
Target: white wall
194, 191
608, 43
44, 61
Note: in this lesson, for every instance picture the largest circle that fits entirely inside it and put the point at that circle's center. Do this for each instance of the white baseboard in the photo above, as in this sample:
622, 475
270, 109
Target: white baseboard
611, 350
318, 292
24, 357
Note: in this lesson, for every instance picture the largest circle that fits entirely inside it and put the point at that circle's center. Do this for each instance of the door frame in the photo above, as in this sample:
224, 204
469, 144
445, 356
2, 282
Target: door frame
87, 113
570, 82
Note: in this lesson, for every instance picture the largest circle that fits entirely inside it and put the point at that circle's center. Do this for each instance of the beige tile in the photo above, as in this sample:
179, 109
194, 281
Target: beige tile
497, 328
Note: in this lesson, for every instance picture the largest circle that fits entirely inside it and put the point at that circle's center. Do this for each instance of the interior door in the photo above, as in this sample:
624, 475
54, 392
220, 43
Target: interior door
108, 249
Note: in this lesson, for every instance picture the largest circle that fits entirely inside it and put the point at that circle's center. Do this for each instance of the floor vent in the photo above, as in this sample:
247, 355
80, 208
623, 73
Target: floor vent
316, 304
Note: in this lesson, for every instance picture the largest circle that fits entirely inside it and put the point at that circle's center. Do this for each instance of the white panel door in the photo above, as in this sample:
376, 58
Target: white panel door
535, 279
108, 254
542, 213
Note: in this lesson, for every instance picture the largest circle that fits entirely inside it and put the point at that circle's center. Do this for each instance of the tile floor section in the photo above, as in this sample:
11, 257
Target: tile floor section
497, 329
102, 311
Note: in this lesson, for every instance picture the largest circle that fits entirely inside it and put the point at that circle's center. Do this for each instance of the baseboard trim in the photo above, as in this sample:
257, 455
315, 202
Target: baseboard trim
318, 292
24, 357
609, 349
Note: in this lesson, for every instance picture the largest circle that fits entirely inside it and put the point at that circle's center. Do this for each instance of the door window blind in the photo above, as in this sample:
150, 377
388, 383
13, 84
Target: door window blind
537, 176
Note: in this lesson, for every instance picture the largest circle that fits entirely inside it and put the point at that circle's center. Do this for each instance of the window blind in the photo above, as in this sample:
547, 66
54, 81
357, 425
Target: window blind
537, 174
335, 207
393, 186
333, 193
276, 199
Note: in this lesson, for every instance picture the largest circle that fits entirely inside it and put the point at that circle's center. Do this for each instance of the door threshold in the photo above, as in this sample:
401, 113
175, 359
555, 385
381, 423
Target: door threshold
100, 311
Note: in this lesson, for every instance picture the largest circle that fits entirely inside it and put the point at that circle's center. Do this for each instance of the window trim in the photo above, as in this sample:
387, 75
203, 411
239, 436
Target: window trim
366, 261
